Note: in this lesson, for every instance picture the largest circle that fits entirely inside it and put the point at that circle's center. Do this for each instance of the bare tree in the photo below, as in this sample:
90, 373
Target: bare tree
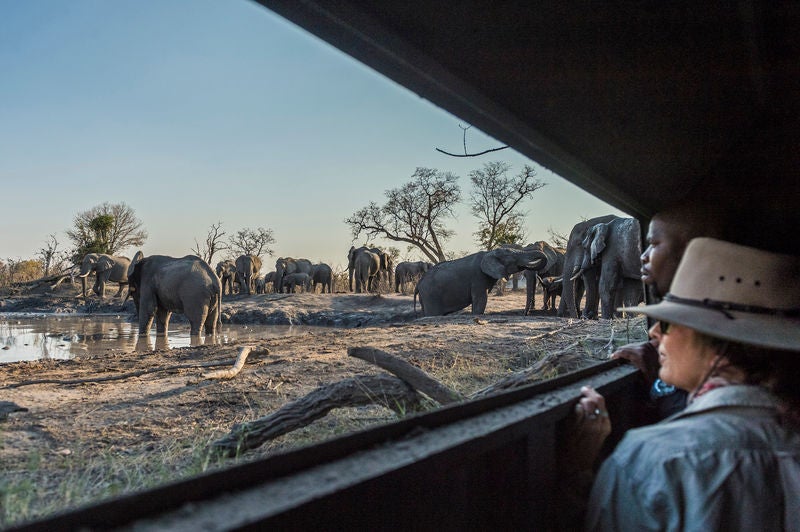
49, 253
107, 228
495, 201
212, 245
558, 240
250, 242
466, 153
413, 213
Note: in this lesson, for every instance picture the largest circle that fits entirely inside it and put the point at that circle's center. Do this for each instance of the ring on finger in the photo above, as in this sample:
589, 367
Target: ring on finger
601, 413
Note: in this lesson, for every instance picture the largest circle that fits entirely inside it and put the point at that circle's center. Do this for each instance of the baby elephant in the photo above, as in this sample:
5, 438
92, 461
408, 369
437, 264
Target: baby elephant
296, 279
551, 287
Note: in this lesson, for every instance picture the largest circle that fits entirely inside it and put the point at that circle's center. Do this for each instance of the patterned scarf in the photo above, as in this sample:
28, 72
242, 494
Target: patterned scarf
709, 384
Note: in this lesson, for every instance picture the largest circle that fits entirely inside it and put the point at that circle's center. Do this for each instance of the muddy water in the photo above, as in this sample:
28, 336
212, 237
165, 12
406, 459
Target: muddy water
54, 336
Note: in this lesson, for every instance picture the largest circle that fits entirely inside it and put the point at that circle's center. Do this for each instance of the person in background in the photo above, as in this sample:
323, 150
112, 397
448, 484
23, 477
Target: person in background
728, 334
668, 234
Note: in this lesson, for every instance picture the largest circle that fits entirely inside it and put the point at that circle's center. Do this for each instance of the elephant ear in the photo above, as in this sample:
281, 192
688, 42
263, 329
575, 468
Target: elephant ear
104, 263
552, 258
136, 259
492, 266
599, 241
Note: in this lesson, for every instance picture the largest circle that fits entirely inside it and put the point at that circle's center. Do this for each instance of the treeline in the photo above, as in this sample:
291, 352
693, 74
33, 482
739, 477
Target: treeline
415, 214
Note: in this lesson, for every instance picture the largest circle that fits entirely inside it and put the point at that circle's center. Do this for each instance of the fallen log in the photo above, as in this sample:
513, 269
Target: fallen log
415, 377
554, 363
386, 390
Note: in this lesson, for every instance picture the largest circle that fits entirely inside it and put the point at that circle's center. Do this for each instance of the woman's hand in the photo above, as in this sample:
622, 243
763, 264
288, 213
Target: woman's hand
644, 356
586, 431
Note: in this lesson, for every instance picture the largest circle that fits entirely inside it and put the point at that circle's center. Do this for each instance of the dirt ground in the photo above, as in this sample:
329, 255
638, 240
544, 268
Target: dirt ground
107, 424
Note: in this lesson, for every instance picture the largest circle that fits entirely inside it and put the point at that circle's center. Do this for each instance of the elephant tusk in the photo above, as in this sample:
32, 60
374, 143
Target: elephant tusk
580, 272
82, 275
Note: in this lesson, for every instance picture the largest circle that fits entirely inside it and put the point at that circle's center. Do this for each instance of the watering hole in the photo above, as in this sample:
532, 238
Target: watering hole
45, 337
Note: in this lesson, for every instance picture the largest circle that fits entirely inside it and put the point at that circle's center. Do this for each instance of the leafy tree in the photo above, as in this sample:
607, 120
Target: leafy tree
413, 213
20, 271
252, 242
212, 245
495, 200
107, 228
509, 231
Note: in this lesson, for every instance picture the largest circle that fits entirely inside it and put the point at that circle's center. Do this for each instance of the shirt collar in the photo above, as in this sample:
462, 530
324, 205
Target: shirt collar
735, 395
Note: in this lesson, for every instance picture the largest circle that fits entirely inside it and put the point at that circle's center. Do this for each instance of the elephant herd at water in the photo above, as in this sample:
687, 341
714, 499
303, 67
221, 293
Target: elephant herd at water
601, 261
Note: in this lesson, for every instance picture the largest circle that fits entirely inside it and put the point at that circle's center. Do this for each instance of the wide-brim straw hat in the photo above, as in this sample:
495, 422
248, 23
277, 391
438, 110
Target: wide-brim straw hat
735, 293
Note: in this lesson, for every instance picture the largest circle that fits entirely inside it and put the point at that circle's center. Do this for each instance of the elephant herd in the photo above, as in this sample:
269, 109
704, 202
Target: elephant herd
601, 261
289, 274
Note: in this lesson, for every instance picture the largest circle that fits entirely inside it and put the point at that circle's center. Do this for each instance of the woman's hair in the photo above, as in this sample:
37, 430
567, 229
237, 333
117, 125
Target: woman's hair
773, 369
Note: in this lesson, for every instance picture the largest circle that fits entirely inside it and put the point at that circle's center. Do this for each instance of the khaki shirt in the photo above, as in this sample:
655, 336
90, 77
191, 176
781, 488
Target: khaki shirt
724, 463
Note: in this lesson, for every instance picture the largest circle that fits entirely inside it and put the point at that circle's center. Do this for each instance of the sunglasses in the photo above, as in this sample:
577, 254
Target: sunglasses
664, 326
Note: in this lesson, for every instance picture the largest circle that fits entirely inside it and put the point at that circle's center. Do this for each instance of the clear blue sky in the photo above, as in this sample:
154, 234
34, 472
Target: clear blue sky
199, 111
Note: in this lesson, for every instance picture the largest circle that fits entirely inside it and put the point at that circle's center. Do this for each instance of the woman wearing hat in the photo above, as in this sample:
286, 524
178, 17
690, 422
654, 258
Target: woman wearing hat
729, 334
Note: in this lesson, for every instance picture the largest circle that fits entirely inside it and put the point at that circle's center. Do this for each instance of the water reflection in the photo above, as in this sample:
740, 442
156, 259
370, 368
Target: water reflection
52, 336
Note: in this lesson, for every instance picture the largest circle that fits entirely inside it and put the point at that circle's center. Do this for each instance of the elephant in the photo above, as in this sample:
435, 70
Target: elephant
321, 274
226, 271
161, 285
269, 278
260, 284
551, 287
106, 268
553, 267
572, 290
385, 265
247, 268
611, 254
287, 265
293, 280
409, 272
453, 285
366, 266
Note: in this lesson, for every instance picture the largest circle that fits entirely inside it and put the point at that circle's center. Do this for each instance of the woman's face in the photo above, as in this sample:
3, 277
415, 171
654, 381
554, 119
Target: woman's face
660, 259
685, 360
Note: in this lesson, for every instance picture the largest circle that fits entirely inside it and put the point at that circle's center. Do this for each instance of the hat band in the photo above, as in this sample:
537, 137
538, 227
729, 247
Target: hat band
725, 306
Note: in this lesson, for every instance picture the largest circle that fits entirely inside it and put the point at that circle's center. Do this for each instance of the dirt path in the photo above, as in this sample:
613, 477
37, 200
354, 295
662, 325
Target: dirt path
108, 424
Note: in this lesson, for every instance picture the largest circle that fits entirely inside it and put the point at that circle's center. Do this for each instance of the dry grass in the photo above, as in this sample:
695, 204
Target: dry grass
79, 444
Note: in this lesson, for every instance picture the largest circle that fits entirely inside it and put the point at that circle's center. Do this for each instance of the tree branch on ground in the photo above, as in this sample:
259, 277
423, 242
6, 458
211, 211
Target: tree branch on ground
495, 200
213, 244
383, 389
413, 213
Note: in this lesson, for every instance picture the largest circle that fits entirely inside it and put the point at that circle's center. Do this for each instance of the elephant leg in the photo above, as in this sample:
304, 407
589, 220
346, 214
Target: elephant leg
119, 292
530, 291
197, 319
479, 300
145, 323
162, 320
580, 289
212, 320
610, 289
